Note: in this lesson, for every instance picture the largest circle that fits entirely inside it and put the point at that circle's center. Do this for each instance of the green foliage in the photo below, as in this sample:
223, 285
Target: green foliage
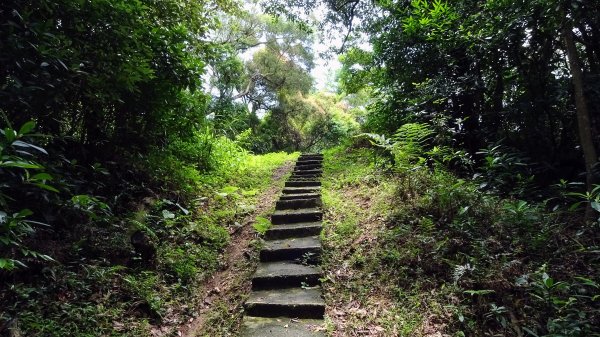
145, 287
495, 71
474, 256
23, 175
261, 225
504, 171
568, 304
410, 142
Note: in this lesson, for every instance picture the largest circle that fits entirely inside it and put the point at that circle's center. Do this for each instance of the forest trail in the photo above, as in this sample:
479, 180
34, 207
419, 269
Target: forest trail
286, 298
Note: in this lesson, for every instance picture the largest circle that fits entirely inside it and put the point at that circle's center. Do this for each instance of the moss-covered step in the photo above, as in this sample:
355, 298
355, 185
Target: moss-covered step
285, 274
301, 248
288, 302
281, 327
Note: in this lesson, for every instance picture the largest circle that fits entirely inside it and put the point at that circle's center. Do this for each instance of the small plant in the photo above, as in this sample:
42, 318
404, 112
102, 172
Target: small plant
181, 262
504, 171
20, 170
567, 305
144, 287
261, 225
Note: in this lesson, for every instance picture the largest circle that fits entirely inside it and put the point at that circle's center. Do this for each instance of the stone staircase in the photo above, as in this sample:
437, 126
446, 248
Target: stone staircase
286, 298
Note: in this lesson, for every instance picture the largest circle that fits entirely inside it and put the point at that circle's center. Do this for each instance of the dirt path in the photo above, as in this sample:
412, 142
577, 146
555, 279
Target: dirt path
225, 289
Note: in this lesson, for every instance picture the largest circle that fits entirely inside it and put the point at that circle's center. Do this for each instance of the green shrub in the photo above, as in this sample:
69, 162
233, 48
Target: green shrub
180, 261
145, 287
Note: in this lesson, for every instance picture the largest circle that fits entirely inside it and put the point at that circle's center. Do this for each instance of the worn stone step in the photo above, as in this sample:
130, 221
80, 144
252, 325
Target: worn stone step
281, 327
307, 166
297, 230
306, 172
297, 196
305, 249
288, 216
294, 177
298, 203
313, 176
298, 190
302, 183
301, 162
288, 302
310, 157
284, 274
310, 175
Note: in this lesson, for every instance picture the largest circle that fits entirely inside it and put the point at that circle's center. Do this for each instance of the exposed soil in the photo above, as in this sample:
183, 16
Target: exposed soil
229, 285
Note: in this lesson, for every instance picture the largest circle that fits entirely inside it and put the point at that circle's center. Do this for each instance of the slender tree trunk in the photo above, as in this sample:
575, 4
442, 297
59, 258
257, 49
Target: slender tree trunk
583, 114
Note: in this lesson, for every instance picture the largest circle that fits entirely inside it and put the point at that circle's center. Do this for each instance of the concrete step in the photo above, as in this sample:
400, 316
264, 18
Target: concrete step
297, 196
298, 203
281, 327
288, 216
305, 249
295, 177
311, 155
289, 302
285, 274
312, 176
301, 183
302, 162
297, 230
308, 167
306, 172
301, 190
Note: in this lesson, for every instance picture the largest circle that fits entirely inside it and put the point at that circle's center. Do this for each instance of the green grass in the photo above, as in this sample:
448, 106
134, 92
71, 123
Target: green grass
411, 251
356, 197
108, 291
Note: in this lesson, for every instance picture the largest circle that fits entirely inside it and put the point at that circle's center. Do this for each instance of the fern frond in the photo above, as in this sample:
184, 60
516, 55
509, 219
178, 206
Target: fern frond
413, 133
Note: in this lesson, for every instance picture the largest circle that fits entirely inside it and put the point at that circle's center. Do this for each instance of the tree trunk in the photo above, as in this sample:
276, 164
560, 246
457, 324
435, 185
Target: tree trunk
583, 114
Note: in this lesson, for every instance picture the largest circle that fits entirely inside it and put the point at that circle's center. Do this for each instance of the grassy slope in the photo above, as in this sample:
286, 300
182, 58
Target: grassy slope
423, 253
100, 287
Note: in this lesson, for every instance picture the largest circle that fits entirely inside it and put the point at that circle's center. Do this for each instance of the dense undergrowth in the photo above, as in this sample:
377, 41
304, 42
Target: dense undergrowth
414, 250
124, 246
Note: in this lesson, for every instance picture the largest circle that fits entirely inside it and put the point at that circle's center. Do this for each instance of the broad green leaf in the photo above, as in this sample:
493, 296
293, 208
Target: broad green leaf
47, 187
42, 176
26, 128
20, 164
6, 264
10, 134
20, 143
24, 213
